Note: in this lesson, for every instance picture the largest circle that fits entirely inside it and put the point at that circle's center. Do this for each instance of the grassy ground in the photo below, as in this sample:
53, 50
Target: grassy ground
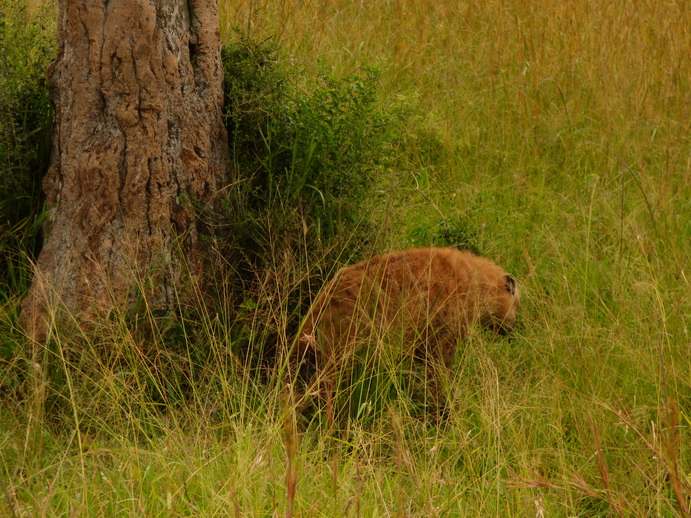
554, 137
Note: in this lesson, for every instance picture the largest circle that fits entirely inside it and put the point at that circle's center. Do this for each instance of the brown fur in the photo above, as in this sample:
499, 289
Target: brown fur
430, 296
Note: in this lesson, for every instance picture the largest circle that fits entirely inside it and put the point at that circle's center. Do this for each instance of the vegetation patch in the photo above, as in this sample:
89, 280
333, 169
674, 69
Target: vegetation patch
307, 151
26, 50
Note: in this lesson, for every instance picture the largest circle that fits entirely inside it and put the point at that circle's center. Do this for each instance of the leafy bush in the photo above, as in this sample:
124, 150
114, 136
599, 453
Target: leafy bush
25, 123
306, 152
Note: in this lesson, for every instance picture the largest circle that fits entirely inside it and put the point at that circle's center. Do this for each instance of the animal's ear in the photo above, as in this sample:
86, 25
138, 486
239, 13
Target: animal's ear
511, 285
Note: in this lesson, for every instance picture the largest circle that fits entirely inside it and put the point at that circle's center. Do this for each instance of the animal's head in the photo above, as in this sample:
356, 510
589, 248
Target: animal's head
502, 304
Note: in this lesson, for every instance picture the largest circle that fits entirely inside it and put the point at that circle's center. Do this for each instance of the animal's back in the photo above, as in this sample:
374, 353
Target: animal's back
421, 291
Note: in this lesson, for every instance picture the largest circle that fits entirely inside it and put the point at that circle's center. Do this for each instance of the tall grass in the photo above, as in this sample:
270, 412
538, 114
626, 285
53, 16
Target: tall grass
552, 137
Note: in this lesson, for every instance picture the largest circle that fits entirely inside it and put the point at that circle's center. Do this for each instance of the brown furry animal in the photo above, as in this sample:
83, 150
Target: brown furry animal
427, 297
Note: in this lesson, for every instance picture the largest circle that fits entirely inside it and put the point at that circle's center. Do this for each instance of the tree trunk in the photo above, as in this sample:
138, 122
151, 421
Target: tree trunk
138, 141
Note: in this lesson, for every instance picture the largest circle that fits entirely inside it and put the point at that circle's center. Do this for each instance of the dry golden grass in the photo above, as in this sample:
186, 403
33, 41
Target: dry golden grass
632, 57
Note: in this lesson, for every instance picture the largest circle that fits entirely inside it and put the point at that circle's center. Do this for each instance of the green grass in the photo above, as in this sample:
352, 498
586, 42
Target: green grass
553, 138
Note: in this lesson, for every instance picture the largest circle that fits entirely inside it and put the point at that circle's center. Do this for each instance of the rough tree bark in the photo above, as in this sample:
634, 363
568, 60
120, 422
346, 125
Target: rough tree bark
138, 140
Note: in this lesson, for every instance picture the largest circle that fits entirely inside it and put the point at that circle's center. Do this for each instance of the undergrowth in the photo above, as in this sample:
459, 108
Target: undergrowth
308, 150
26, 49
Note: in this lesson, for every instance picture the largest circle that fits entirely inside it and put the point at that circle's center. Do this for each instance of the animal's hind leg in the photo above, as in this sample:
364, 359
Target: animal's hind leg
301, 364
324, 384
329, 403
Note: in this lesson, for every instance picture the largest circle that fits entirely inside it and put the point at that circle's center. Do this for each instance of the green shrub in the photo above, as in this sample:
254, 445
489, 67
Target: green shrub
25, 123
306, 152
